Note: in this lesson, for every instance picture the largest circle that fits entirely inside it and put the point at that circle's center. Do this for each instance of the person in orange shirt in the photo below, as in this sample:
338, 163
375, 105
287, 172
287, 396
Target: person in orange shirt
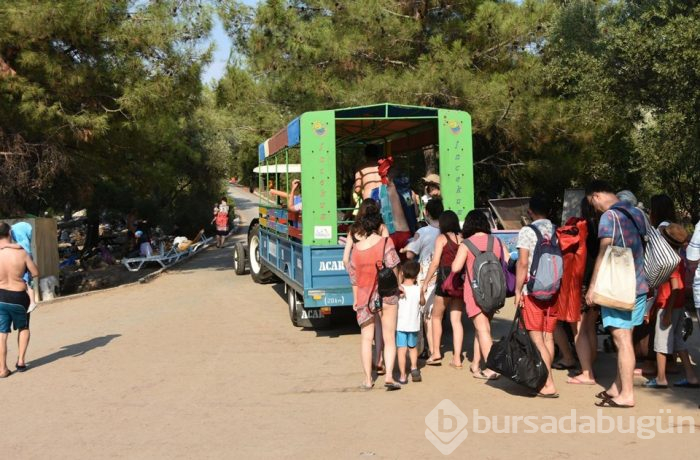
668, 339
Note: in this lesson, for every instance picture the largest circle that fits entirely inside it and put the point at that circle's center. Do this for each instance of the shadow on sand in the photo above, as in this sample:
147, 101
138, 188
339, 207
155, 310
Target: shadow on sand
74, 350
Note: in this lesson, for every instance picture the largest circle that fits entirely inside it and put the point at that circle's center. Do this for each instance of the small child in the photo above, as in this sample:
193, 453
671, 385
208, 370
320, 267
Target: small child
408, 323
670, 301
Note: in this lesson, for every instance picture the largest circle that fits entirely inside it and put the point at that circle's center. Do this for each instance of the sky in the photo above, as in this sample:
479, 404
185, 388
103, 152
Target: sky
215, 70
222, 51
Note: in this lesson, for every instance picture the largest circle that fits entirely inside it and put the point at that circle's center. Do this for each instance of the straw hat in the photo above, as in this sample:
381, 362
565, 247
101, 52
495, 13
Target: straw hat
675, 234
432, 179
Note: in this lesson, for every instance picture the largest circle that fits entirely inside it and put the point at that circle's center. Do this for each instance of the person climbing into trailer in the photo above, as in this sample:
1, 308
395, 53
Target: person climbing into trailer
377, 180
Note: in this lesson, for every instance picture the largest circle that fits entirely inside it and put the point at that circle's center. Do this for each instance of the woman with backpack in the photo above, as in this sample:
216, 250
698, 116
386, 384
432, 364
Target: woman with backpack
472, 257
446, 247
369, 251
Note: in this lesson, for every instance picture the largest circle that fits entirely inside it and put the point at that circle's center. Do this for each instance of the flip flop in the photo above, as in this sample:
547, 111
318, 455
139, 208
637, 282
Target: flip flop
611, 403
686, 384
393, 386
479, 375
652, 384
21, 368
434, 362
562, 367
576, 381
548, 396
454, 366
603, 395
366, 387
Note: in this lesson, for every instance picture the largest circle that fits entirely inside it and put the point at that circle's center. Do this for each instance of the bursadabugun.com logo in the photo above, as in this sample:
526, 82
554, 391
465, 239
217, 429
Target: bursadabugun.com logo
448, 426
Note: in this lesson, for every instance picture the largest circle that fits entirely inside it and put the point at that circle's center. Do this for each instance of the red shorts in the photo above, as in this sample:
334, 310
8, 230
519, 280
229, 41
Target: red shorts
400, 240
539, 315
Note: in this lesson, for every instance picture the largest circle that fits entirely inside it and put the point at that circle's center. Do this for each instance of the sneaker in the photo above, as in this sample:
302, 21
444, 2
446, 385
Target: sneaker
32, 307
415, 375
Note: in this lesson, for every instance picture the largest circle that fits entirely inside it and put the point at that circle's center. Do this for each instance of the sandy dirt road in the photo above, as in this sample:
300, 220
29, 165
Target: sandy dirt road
203, 364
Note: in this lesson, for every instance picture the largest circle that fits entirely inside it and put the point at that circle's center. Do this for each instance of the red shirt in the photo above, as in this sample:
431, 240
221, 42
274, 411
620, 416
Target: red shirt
665, 289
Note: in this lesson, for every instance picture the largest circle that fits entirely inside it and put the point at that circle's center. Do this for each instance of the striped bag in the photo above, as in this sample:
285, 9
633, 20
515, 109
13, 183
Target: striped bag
659, 257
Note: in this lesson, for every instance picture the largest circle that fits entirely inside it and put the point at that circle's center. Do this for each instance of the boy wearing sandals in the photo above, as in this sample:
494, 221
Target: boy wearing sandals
408, 324
670, 302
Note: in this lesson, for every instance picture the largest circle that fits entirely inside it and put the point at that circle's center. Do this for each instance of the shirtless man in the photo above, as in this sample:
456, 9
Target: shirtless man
14, 301
367, 179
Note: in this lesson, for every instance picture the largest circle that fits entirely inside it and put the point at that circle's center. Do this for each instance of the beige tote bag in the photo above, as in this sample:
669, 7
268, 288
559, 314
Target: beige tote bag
616, 283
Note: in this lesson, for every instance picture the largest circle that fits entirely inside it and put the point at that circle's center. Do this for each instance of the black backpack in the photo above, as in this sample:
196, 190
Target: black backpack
487, 279
387, 284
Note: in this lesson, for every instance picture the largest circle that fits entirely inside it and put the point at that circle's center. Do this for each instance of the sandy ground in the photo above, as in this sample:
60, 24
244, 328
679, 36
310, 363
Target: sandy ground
203, 364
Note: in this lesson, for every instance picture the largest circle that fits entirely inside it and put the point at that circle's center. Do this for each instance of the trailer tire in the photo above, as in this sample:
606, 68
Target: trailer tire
239, 261
301, 317
293, 305
258, 272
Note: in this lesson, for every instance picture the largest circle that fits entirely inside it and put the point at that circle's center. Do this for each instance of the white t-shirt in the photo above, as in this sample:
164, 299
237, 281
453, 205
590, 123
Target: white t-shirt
409, 309
528, 240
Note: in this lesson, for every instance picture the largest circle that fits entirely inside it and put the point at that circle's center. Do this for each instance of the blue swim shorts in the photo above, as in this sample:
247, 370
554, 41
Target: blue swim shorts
406, 339
12, 314
625, 319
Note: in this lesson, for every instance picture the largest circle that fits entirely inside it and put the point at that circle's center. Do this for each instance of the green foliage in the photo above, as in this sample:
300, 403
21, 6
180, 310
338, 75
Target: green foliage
101, 101
105, 92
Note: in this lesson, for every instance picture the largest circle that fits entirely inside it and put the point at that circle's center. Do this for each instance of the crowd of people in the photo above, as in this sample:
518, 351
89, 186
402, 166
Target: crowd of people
557, 276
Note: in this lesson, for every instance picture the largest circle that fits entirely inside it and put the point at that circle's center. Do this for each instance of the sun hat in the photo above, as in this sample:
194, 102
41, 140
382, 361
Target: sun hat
432, 179
675, 234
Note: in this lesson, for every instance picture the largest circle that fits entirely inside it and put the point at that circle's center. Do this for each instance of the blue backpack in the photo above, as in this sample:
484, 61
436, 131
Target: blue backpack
547, 267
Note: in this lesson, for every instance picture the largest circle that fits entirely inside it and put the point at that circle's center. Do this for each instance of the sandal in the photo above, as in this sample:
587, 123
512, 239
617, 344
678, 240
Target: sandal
434, 361
686, 384
20, 368
380, 370
366, 387
575, 381
454, 366
611, 403
392, 386
652, 384
548, 396
603, 395
415, 375
563, 367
